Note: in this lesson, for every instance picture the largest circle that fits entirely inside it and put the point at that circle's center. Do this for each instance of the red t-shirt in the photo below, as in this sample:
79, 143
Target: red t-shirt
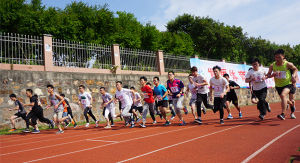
148, 94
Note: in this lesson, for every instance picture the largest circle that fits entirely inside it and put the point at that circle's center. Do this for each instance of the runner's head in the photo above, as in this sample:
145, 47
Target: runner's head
217, 70
191, 76
29, 92
13, 97
226, 76
119, 85
133, 89
279, 55
62, 95
81, 88
255, 64
194, 71
50, 88
171, 75
102, 90
156, 80
143, 80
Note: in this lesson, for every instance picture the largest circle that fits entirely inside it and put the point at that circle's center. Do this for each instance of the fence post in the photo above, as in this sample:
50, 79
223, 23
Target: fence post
47, 50
116, 59
160, 62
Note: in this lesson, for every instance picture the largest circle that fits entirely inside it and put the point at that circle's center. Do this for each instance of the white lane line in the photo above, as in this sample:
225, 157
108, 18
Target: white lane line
268, 144
63, 154
102, 140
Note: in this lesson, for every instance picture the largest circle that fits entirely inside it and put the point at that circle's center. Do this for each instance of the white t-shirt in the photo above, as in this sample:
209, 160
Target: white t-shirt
107, 97
258, 84
201, 89
85, 99
193, 91
219, 85
124, 96
137, 96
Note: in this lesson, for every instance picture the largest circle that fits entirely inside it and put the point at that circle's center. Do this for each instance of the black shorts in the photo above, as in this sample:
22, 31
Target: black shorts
232, 98
163, 103
137, 108
22, 115
280, 89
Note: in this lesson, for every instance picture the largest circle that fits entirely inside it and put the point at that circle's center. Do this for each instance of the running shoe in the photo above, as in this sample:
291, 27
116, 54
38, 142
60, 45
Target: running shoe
26, 130
12, 130
67, 124
199, 121
293, 116
107, 127
167, 123
240, 115
112, 124
229, 116
142, 125
268, 107
261, 117
154, 122
87, 125
281, 116
172, 117
97, 123
60, 132
204, 110
132, 125
34, 131
182, 123
221, 121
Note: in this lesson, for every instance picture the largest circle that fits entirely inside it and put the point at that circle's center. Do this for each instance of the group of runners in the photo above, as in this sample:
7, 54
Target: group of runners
161, 100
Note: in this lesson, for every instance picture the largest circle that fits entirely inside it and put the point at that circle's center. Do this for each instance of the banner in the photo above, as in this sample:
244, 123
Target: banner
236, 72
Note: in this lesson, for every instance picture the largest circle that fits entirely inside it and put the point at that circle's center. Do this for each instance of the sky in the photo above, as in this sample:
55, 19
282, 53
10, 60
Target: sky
274, 20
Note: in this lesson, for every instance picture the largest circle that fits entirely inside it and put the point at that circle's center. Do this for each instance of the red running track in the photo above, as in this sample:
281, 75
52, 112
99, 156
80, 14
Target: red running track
238, 140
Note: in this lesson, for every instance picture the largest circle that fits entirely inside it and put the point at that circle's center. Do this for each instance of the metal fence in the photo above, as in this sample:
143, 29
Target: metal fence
21, 49
176, 63
75, 54
138, 60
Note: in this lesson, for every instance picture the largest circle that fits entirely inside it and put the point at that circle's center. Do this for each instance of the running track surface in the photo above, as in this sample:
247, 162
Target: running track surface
238, 140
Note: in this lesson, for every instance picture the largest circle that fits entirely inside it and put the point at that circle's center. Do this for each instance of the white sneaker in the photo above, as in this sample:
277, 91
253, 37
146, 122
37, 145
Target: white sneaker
87, 125
293, 116
107, 127
97, 123
154, 122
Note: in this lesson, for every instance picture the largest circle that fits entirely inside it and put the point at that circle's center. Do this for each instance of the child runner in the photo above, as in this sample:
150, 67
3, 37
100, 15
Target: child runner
109, 106
69, 110
160, 93
176, 86
193, 90
257, 78
21, 113
232, 97
123, 95
218, 88
56, 100
85, 101
283, 80
149, 101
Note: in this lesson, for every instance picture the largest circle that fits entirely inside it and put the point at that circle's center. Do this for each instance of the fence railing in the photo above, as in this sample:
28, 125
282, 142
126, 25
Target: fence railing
176, 63
74, 54
138, 60
21, 49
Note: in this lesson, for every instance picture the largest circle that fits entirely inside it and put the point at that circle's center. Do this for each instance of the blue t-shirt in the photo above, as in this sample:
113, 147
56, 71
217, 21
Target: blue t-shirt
160, 90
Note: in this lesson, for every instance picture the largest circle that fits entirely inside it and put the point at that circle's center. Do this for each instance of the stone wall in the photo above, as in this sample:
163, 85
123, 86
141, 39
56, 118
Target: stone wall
18, 81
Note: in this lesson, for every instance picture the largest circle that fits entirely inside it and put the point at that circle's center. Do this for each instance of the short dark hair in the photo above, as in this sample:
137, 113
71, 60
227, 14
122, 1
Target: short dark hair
217, 67
194, 68
225, 75
12, 95
250, 68
82, 86
125, 86
171, 72
102, 88
156, 77
132, 88
279, 51
29, 90
191, 75
144, 78
148, 83
255, 60
119, 82
50, 85
62, 95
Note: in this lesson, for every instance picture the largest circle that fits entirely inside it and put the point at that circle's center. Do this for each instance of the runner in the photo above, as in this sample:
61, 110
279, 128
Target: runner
254, 100
160, 93
232, 97
219, 86
156, 111
109, 106
69, 111
56, 100
137, 104
176, 86
21, 113
148, 101
202, 87
85, 101
193, 90
257, 78
283, 80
